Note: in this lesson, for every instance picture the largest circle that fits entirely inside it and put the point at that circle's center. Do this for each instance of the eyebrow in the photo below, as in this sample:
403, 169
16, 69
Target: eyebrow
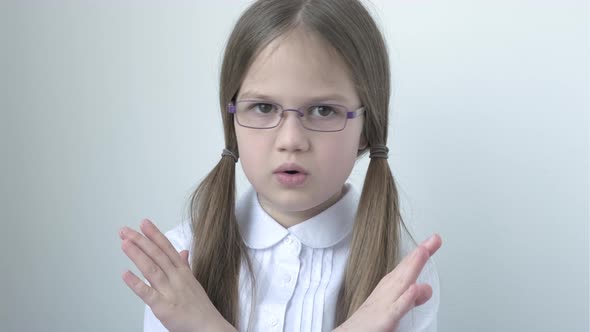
314, 99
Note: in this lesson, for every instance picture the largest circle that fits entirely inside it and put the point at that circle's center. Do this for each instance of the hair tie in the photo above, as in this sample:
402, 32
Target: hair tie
379, 151
229, 153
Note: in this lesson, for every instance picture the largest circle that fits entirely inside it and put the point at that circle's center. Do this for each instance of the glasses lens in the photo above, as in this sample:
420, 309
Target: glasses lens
325, 117
257, 114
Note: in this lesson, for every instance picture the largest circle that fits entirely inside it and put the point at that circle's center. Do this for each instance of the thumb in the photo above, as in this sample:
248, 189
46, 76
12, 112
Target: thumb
184, 256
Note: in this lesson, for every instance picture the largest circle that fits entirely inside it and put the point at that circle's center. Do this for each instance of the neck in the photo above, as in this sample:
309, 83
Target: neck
292, 218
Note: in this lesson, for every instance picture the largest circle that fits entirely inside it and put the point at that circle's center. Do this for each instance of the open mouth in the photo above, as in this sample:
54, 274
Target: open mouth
291, 178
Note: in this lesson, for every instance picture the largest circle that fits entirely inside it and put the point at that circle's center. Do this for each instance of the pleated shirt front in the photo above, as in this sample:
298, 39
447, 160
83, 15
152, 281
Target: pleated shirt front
299, 270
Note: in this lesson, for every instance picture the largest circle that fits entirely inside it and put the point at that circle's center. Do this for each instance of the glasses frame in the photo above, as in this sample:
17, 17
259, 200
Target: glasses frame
231, 108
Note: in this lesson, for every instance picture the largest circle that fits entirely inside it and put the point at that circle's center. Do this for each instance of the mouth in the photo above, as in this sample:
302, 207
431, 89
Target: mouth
291, 169
291, 175
291, 178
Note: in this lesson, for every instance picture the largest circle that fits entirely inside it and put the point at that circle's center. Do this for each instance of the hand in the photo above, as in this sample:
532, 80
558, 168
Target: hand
175, 296
396, 294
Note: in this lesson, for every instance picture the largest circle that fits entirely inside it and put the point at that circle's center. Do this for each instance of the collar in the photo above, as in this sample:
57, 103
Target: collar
259, 230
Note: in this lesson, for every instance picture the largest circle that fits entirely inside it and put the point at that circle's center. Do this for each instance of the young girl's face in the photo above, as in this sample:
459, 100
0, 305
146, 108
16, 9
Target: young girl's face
293, 71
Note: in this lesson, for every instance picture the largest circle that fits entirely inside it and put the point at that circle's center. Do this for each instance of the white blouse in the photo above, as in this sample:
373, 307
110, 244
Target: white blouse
299, 270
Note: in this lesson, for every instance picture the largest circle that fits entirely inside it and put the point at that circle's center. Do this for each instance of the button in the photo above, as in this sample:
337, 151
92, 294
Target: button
291, 245
274, 321
287, 278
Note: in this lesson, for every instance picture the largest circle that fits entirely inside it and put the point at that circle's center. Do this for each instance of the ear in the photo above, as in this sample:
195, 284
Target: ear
363, 142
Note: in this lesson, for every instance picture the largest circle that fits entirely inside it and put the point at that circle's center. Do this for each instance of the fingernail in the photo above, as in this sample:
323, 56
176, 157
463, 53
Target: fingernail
122, 233
145, 222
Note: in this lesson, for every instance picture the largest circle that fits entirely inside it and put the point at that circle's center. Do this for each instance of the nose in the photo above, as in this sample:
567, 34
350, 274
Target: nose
291, 135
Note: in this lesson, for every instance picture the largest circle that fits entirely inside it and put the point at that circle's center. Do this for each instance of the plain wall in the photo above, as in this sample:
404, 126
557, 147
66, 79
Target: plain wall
110, 114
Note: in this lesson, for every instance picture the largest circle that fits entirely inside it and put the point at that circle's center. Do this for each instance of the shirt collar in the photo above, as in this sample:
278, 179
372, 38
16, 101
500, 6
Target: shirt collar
259, 230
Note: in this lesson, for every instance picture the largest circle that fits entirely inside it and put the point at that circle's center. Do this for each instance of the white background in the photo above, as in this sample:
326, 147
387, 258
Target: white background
110, 114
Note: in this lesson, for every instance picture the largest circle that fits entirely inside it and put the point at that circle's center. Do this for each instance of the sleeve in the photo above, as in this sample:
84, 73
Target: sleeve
181, 238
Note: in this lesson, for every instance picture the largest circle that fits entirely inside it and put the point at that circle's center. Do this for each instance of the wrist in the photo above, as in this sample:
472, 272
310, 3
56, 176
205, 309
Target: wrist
341, 328
222, 326
227, 327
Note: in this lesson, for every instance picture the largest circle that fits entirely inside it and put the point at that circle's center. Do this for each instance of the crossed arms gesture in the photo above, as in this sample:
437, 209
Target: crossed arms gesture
181, 304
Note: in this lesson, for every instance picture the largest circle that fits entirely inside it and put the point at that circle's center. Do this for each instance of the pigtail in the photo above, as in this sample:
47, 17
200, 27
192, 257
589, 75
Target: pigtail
217, 244
374, 249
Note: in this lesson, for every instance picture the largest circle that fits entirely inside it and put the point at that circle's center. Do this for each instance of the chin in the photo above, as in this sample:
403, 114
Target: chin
289, 200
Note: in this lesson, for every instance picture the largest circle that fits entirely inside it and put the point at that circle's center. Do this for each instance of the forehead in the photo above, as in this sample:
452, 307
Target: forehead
296, 67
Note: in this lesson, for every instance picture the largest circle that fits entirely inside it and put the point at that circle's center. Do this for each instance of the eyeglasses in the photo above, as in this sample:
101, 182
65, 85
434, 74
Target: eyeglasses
259, 114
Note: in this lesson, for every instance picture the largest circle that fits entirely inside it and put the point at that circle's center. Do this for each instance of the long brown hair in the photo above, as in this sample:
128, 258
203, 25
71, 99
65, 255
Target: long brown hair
218, 248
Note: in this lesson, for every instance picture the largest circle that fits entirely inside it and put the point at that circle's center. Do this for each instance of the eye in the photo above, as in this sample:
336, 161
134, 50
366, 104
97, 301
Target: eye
321, 110
264, 108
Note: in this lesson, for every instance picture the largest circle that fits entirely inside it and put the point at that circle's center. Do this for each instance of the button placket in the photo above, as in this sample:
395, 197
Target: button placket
292, 245
288, 266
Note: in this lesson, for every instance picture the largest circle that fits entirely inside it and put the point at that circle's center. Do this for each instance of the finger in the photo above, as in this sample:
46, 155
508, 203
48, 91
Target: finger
411, 266
433, 243
150, 270
404, 303
424, 294
153, 233
146, 293
184, 255
406, 272
150, 249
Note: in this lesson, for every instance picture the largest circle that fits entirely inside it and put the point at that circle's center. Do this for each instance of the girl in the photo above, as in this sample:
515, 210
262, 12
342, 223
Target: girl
304, 93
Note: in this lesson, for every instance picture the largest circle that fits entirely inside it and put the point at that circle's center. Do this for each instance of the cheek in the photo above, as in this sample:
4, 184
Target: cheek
251, 149
338, 155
